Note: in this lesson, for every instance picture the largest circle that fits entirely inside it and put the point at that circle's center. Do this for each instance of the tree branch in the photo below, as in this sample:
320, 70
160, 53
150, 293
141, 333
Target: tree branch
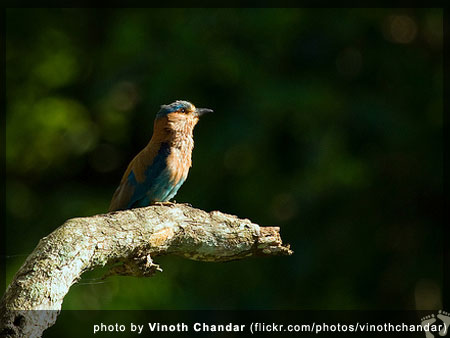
127, 241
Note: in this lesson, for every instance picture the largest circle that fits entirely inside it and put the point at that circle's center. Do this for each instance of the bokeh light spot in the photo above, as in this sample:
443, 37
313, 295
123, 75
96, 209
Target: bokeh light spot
434, 30
56, 62
57, 69
427, 295
50, 131
401, 29
124, 96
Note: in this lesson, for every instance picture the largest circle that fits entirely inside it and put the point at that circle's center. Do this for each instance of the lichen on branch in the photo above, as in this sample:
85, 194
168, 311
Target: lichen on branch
126, 241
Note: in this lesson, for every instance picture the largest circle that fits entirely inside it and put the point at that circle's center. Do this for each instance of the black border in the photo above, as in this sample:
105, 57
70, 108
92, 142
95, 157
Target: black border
3, 153
446, 201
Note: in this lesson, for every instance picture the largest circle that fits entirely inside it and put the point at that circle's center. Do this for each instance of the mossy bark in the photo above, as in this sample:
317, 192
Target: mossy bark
127, 241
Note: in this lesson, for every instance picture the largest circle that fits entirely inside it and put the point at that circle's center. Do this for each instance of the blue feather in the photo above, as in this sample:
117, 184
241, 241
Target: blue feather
174, 190
156, 183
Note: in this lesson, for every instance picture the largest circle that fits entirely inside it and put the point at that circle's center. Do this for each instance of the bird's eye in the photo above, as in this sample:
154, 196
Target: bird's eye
183, 110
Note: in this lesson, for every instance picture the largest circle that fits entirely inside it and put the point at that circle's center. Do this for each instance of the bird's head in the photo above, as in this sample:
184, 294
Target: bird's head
178, 119
181, 110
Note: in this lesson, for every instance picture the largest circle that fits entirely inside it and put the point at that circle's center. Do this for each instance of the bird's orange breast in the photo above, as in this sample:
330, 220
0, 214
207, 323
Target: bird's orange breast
178, 163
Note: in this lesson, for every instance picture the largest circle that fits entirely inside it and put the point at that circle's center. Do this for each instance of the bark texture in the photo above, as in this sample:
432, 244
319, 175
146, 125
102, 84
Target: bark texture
127, 241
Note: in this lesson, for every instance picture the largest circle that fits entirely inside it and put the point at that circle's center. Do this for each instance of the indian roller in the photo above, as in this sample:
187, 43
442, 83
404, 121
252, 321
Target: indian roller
159, 170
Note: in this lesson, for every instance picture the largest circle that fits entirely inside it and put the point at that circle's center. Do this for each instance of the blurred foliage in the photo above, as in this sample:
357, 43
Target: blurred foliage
327, 123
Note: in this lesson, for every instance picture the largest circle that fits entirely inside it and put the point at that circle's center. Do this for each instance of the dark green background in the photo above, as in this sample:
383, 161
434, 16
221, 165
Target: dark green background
327, 123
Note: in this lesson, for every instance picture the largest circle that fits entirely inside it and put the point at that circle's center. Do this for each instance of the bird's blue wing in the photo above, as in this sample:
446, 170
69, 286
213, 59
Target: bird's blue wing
155, 182
134, 193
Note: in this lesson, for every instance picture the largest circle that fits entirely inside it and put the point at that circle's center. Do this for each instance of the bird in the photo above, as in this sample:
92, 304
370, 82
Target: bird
157, 172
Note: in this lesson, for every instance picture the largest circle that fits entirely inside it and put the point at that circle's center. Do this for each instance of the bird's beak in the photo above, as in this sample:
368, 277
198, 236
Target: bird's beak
201, 111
